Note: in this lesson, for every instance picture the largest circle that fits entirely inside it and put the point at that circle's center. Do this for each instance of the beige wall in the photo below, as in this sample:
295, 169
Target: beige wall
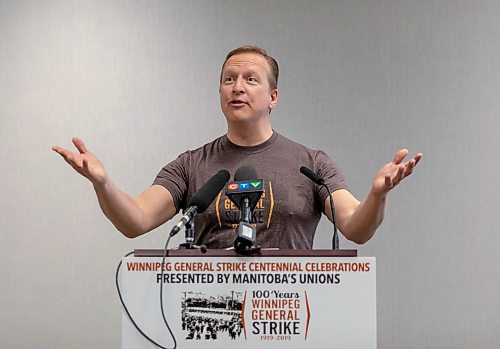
137, 80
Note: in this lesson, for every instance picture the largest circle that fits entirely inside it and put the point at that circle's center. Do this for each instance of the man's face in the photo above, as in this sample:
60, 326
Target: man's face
245, 94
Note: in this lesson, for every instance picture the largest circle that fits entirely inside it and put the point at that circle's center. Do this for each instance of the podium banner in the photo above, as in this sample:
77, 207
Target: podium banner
251, 302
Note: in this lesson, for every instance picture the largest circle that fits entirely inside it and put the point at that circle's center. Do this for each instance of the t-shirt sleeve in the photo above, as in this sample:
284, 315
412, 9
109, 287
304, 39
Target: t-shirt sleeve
330, 172
174, 177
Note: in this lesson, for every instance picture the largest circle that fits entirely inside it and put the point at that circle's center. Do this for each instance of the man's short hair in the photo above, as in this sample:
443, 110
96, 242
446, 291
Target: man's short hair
275, 71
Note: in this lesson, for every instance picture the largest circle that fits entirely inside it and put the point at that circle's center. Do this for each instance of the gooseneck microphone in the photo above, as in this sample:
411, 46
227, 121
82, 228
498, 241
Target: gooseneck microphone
202, 199
313, 176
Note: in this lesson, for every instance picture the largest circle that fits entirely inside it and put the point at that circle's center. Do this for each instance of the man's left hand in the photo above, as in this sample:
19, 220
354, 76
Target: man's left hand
394, 172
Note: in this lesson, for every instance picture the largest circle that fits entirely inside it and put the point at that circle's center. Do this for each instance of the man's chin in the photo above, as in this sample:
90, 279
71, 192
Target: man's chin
241, 116
238, 116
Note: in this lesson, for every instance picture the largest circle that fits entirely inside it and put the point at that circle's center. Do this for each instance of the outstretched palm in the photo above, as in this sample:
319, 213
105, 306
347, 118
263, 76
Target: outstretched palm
394, 172
84, 162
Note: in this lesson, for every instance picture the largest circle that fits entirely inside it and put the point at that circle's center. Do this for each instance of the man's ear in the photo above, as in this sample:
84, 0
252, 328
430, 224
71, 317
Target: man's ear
274, 99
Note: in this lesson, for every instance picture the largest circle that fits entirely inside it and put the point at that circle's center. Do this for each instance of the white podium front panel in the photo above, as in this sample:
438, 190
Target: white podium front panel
251, 302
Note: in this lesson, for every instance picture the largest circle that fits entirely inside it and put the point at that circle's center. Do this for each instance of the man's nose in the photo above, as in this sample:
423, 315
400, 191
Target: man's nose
238, 86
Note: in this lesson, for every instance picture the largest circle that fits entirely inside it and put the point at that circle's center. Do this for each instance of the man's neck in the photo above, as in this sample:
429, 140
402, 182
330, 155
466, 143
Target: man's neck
249, 135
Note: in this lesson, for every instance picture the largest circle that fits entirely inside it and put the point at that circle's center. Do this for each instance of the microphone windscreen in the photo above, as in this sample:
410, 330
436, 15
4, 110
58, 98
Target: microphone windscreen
207, 193
313, 176
245, 173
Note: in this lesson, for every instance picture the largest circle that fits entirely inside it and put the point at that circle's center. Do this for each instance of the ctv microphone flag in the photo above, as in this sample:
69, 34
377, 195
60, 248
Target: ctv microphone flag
252, 189
245, 191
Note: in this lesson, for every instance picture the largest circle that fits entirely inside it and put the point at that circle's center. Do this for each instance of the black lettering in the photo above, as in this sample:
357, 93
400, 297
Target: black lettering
256, 329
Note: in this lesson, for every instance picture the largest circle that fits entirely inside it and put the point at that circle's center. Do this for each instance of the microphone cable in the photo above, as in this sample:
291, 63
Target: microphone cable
313, 176
335, 237
161, 291
161, 301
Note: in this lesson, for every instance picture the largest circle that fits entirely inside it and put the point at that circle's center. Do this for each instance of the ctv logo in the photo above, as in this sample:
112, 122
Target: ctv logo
244, 185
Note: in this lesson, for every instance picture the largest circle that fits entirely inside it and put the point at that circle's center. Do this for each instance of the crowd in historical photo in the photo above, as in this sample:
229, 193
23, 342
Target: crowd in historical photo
210, 318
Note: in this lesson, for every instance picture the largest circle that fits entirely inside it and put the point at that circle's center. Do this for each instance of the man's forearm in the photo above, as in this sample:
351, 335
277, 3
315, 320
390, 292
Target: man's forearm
120, 209
365, 219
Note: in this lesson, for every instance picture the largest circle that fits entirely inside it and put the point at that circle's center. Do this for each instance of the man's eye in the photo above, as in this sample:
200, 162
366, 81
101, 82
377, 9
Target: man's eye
228, 79
251, 79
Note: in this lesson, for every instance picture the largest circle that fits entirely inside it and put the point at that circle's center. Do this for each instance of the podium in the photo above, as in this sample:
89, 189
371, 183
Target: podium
273, 299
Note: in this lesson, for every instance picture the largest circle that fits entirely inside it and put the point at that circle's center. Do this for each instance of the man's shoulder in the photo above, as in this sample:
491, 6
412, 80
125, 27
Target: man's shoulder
207, 147
290, 144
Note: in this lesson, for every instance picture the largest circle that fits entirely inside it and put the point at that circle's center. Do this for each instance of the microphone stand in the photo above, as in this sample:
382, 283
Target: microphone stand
245, 211
244, 243
189, 234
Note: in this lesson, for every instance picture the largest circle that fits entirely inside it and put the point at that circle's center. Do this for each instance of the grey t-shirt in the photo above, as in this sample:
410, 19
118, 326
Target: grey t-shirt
288, 213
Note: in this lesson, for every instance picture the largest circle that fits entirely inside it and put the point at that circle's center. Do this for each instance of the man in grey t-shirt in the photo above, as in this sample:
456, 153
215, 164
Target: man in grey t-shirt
248, 93
289, 210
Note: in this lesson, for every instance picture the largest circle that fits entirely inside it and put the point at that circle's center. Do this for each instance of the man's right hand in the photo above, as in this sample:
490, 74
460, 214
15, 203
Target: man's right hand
133, 216
84, 162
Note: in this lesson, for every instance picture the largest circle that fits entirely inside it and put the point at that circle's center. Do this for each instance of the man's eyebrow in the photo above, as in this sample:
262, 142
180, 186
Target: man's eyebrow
227, 71
245, 72
251, 71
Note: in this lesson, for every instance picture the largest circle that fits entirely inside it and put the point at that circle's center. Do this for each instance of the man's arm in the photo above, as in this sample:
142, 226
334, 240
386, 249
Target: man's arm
358, 221
132, 216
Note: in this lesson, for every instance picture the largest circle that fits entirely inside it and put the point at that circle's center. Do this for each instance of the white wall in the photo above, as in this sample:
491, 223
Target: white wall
137, 80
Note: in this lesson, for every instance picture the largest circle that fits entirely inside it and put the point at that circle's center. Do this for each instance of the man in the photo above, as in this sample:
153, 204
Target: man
291, 206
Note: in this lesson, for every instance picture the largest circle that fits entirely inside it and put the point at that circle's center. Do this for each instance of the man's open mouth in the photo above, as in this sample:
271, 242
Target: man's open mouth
237, 102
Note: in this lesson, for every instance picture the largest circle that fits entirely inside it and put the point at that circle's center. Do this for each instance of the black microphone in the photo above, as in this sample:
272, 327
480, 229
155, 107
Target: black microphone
245, 192
316, 178
203, 198
247, 201
313, 176
245, 186
245, 173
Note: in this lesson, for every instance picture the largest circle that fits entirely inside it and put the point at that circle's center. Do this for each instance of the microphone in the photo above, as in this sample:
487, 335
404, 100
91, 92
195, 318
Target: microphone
245, 173
202, 199
245, 192
313, 176
316, 178
245, 186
